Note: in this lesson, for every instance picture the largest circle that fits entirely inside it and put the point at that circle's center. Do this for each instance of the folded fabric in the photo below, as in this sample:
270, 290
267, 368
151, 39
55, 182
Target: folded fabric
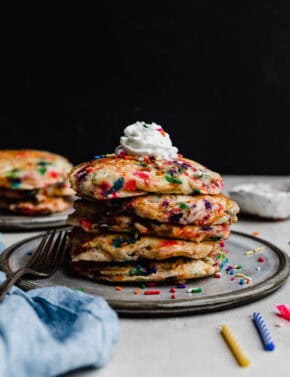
50, 331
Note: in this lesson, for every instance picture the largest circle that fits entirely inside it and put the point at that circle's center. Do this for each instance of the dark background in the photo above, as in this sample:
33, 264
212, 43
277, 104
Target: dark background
215, 77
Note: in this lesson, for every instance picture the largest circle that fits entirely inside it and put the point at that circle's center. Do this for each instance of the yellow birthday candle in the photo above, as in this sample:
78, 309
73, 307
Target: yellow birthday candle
234, 346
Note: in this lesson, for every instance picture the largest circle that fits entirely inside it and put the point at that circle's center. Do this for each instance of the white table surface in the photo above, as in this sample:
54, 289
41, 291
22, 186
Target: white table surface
192, 346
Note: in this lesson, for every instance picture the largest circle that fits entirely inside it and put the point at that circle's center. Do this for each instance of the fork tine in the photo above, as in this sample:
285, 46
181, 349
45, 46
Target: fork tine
46, 240
53, 257
50, 255
47, 257
63, 246
40, 253
58, 251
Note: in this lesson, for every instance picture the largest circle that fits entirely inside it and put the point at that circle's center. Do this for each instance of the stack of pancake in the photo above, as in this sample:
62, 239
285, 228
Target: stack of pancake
34, 182
142, 219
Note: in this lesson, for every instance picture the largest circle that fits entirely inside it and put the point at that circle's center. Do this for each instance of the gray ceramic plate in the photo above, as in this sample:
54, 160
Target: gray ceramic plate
17, 222
216, 293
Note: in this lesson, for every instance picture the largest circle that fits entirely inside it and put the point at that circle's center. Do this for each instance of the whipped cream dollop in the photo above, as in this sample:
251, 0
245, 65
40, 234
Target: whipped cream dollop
145, 139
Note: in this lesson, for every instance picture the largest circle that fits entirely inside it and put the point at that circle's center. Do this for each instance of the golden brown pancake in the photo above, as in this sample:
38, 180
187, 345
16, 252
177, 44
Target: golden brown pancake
184, 232
57, 190
31, 169
118, 177
185, 209
180, 269
34, 182
198, 210
122, 247
132, 224
46, 206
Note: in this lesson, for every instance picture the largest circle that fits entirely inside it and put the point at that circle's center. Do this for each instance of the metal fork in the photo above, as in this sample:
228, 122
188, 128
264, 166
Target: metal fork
45, 260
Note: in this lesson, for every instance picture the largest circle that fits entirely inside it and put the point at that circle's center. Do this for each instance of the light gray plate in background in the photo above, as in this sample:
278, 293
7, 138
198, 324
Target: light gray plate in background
10, 222
216, 294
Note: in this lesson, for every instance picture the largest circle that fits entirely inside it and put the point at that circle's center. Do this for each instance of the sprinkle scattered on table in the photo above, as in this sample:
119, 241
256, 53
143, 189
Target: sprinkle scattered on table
194, 290
241, 278
181, 285
81, 289
218, 275
172, 290
261, 259
278, 324
256, 234
173, 296
223, 263
137, 291
255, 251
152, 292
118, 289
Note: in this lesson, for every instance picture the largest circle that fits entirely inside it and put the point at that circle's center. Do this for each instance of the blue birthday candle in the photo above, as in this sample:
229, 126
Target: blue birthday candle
263, 331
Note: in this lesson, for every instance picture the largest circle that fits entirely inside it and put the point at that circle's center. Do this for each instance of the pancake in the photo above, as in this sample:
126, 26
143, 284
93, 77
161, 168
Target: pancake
118, 177
55, 198
186, 232
185, 209
179, 269
122, 247
119, 224
198, 210
57, 190
131, 224
46, 206
31, 169
11, 194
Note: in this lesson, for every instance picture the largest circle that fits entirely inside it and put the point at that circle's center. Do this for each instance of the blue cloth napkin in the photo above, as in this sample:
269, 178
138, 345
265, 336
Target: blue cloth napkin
50, 331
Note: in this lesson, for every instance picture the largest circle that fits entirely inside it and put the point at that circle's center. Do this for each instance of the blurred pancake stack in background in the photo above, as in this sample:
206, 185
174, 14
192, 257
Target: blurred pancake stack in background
147, 213
34, 182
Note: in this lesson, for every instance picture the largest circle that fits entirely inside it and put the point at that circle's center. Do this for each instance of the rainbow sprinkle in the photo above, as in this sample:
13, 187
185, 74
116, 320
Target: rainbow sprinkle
255, 251
194, 290
153, 292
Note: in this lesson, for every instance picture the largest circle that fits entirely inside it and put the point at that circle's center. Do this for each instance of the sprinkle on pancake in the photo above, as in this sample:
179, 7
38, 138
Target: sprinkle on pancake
132, 224
46, 206
121, 247
118, 177
31, 169
34, 182
185, 209
179, 269
198, 210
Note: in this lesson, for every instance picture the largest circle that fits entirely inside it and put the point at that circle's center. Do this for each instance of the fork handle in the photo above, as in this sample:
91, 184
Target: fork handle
11, 280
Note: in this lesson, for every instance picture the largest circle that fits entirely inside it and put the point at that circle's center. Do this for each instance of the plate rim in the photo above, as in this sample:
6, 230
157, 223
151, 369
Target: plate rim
30, 223
151, 308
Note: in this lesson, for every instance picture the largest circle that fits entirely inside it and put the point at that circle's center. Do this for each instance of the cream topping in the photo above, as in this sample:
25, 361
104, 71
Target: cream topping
145, 139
